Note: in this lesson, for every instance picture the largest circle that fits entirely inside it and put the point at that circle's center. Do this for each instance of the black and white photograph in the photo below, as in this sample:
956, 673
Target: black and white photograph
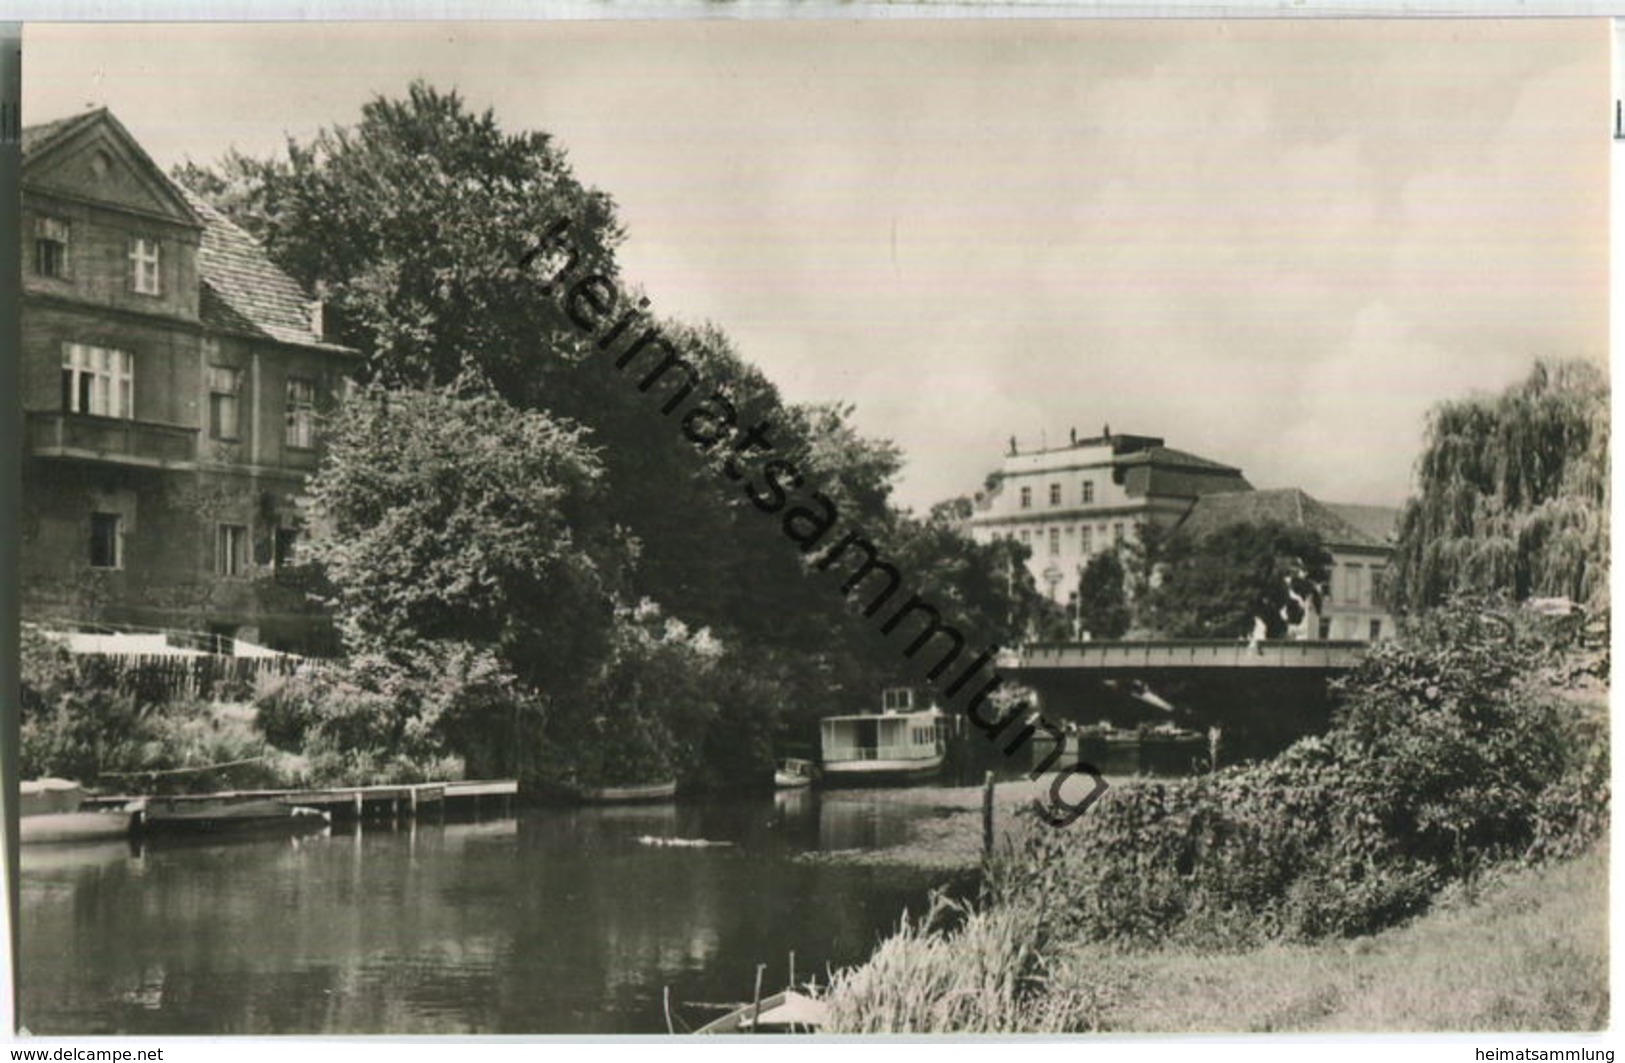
814, 526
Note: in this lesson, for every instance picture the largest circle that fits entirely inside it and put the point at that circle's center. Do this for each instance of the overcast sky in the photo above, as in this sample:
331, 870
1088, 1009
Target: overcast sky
1275, 244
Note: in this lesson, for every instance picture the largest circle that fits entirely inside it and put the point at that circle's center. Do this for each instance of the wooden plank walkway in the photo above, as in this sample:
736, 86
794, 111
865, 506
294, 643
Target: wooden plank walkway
359, 801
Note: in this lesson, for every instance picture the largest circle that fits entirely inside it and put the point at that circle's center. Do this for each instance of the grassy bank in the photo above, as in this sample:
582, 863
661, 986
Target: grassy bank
1429, 862
1530, 952
1527, 949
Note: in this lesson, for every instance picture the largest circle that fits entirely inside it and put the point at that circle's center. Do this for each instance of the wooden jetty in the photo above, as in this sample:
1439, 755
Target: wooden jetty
366, 802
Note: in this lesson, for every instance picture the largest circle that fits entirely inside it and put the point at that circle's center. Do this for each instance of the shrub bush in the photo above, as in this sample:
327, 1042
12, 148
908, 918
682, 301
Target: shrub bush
376, 720
102, 735
1442, 758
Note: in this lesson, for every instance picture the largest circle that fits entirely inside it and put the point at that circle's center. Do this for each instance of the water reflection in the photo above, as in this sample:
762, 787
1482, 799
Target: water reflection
554, 921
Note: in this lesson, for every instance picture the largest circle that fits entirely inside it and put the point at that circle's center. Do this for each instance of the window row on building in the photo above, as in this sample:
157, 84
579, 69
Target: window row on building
53, 256
1057, 539
100, 381
1086, 494
233, 556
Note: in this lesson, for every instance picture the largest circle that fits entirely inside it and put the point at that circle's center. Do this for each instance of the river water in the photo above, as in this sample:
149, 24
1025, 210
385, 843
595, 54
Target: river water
552, 921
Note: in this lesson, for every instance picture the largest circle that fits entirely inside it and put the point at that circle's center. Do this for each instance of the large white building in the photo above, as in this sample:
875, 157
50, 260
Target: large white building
1070, 502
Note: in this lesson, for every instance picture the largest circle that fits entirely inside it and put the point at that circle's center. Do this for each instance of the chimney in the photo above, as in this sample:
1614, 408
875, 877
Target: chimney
314, 308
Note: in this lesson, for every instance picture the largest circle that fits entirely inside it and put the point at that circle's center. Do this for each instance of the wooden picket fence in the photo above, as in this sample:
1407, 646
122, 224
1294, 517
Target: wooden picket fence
165, 677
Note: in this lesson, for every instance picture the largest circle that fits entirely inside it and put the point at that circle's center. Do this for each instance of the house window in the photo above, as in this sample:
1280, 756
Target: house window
301, 414
231, 550
285, 550
1026, 536
1376, 630
1026, 498
224, 385
97, 380
1054, 541
106, 541
1088, 494
1353, 578
1325, 628
1054, 494
1377, 589
1117, 535
1086, 540
144, 277
51, 247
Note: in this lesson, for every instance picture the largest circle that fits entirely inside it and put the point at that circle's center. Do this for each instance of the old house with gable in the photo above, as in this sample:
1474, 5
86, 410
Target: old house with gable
173, 380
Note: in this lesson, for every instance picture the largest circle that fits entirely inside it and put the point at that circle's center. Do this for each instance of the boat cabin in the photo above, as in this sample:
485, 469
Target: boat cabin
892, 736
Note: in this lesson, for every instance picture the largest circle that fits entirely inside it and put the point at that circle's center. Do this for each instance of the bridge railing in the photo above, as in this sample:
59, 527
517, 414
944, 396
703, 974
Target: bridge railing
1191, 653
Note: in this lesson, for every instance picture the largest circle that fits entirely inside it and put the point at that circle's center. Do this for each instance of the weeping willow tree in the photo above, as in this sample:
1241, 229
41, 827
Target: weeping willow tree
1513, 495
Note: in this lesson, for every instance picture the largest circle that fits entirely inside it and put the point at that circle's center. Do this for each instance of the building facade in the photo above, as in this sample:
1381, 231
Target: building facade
1071, 502
1359, 538
172, 384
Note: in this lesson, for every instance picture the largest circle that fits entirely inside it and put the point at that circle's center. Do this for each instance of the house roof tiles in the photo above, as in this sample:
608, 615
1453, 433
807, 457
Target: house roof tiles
1379, 522
1286, 505
243, 291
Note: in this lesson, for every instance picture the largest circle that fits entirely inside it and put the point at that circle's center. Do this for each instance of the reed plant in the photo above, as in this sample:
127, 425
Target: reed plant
956, 969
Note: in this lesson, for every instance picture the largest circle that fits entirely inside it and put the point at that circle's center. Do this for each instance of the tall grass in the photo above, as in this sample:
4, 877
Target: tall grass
1527, 949
962, 971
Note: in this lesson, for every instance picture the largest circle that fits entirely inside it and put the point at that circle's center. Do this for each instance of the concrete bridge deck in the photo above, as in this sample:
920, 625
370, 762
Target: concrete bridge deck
1113, 656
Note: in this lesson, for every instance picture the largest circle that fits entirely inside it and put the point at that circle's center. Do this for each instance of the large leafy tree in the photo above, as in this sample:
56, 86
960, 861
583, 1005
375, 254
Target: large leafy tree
1102, 603
1512, 494
413, 223
441, 517
1220, 584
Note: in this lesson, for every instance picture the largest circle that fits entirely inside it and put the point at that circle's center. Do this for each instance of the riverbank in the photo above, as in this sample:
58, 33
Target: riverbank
1363, 879
1529, 951
948, 835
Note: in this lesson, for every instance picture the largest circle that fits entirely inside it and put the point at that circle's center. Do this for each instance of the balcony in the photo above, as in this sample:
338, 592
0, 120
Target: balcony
53, 434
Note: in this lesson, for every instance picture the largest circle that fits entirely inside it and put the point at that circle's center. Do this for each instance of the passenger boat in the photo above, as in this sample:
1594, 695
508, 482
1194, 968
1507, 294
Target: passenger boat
618, 795
793, 774
49, 811
897, 744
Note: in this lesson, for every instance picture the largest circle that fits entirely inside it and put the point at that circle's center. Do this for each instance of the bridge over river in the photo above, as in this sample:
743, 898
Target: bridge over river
1186, 654
1263, 694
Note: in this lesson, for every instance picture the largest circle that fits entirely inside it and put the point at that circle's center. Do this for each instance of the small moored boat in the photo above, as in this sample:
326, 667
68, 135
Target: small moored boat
49, 811
793, 773
216, 814
786, 1012
606, 795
